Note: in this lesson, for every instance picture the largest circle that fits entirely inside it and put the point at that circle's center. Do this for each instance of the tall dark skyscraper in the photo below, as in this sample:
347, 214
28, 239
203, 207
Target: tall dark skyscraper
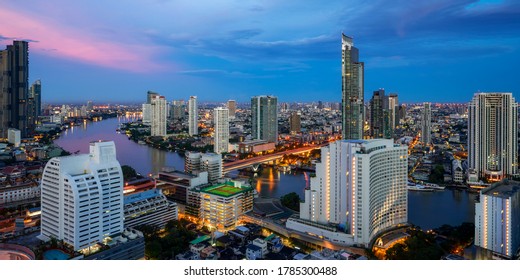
377, 114
264, 118
352, 90
14, 89
34, 104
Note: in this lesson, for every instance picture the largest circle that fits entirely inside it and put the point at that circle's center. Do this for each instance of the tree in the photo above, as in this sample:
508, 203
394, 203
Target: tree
437, 174
291, 201
128, 172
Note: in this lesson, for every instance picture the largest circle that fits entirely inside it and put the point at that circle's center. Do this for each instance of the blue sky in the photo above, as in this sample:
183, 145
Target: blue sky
110, 51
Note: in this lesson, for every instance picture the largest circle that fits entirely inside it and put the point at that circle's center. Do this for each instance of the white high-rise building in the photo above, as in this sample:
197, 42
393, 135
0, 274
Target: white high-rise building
497, 218
426, 124
493, 135
147, 113
193, 116
360, 187
221, 121
393, 104
159, 116
82, 197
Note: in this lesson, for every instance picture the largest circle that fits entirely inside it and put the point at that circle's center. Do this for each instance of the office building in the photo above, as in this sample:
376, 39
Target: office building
295, 123
14, 89
493, 135
209, 162
426, 124
221, 130
232, 106
352, 90
82, 197
14, 136
377, 108
264, 118
193, 116
158, 115
497, 219
359, 191
175, 184
148, 207
223, 204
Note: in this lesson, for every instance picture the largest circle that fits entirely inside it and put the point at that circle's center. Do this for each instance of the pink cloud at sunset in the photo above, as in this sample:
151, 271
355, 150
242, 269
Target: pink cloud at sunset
49, 38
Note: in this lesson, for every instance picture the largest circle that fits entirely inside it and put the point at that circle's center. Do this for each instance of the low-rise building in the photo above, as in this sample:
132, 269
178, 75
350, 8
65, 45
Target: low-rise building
148, 208
255, 146
223, 204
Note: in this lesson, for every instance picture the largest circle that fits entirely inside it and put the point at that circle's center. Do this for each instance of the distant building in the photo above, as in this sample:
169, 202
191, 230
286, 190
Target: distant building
352, 73
223, 204
493, 135
147, 113
393, 106
209, 162
232, 107
221, 121
255, 146
14, 88
178, 110
82, 197
359, 191
295, 122
14, 136
192, 162
457, 172
377, 114
497, 218
158, 116
426, 124
193, 116
34, 105
264, 118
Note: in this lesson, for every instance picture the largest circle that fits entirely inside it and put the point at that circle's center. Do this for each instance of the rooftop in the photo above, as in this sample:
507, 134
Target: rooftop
226, 190
503, 189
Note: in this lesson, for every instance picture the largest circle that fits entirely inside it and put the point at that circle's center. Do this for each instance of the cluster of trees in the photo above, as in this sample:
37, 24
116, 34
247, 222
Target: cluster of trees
437, 174
291, 201
166, 245
419, 246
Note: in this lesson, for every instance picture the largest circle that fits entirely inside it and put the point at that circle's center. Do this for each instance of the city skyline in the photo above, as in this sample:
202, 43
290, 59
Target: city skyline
407, 50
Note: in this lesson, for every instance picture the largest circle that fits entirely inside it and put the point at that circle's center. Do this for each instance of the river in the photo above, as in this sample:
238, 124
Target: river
425, 209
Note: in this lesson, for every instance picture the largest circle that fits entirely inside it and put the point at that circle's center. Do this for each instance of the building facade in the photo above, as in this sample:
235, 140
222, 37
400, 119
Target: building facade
493, 135
264, 118
352, 87
426, 124
295, 123
358, 192
159, 115
497, 218
232, 107
221, 122
34, 105
82, 197
148, 207
14, 88
223, 204
193, 116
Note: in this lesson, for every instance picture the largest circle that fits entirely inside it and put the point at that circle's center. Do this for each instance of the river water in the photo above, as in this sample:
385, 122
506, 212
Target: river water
425, 209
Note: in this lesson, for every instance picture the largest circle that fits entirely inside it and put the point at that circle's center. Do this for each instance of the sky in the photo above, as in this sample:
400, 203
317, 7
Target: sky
115, 51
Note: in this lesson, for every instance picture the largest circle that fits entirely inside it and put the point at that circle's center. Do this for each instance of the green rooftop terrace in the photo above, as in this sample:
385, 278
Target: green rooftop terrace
226, 190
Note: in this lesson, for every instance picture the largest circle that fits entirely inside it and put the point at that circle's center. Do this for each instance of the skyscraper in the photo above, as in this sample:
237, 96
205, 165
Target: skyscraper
158, 115
377, 114
359, 191
497, 218
193, 116
221, 121
264, 118
393, 105
82, 197
426, 124
14, 91
232, 106
295, 122
493, 135
352, 90
177, 110
150, 95
34, 105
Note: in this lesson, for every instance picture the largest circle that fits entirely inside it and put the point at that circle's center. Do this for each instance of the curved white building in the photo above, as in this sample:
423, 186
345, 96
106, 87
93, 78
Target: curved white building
358, 192
82, 197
